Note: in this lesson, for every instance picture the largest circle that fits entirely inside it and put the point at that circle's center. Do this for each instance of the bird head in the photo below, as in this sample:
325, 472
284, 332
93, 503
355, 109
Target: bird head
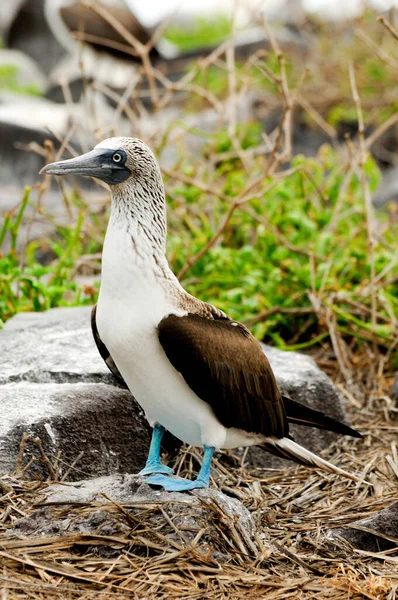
116, 161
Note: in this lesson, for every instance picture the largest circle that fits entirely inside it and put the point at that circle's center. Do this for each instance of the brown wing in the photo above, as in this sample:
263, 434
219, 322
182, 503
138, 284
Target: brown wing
102, 349
225, 366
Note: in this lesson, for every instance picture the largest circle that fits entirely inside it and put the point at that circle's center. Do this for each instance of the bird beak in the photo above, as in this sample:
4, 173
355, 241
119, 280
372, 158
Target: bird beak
92, 164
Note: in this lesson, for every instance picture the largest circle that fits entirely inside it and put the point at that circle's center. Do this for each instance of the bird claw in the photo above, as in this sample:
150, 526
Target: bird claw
174, 484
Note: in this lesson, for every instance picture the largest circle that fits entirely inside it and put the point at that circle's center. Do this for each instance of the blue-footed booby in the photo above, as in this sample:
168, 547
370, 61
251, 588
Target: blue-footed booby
194, 371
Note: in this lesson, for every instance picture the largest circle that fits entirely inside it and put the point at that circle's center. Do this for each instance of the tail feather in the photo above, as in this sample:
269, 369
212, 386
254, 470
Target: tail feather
303, 415
288, 448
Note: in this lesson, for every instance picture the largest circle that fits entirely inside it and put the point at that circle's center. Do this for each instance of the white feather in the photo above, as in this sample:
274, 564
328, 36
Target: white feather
131, 303
311, 459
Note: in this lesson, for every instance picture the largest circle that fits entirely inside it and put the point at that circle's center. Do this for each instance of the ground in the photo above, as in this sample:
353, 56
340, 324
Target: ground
294, 508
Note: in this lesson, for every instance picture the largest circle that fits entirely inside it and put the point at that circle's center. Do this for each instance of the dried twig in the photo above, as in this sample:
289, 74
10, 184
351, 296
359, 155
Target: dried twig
370, 219
388, 26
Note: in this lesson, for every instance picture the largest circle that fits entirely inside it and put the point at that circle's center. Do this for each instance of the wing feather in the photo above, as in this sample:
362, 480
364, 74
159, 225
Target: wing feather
103, 350
225, 366
304, 415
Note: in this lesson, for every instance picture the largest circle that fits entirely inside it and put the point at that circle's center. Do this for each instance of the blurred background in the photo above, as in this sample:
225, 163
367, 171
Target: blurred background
275, 123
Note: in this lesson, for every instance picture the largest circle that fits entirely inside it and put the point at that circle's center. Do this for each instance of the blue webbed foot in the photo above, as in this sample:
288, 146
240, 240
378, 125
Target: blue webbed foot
159, 472
153, 463
156, 467
174, 484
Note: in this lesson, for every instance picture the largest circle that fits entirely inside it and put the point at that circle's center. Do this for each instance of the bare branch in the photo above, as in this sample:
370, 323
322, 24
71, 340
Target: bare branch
388, 26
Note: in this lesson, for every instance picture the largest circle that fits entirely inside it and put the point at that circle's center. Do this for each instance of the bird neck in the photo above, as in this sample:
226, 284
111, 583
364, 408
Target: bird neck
143, 208
139, 218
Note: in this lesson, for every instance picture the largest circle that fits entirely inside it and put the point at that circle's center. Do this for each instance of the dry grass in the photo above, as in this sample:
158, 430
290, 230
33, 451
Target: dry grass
293, 508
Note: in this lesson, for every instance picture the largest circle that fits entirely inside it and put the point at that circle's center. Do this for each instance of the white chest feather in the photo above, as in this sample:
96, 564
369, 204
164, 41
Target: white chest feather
131, 303
132, 300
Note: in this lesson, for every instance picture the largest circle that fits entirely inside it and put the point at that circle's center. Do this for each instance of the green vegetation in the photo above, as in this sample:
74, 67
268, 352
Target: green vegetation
286, 250
281, 250
201, 34
9, 82
326, 84
278, 250
28, 285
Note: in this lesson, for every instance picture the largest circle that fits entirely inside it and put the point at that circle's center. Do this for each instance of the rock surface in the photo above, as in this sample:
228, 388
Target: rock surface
373, 534
18, 167
179, 516
54, 384
388, 188
9, 8
30, 33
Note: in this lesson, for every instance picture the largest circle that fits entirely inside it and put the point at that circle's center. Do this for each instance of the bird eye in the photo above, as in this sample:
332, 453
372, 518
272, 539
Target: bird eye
116, 157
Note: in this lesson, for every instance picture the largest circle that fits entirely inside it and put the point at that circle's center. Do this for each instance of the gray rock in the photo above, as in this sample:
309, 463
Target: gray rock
54, 385
55, 346
206, 510
37, 114
388, 188
100, 422
9, 8
102, 68
26, 123
30, 33
373, 534
23, 122
23, 129
18, 167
